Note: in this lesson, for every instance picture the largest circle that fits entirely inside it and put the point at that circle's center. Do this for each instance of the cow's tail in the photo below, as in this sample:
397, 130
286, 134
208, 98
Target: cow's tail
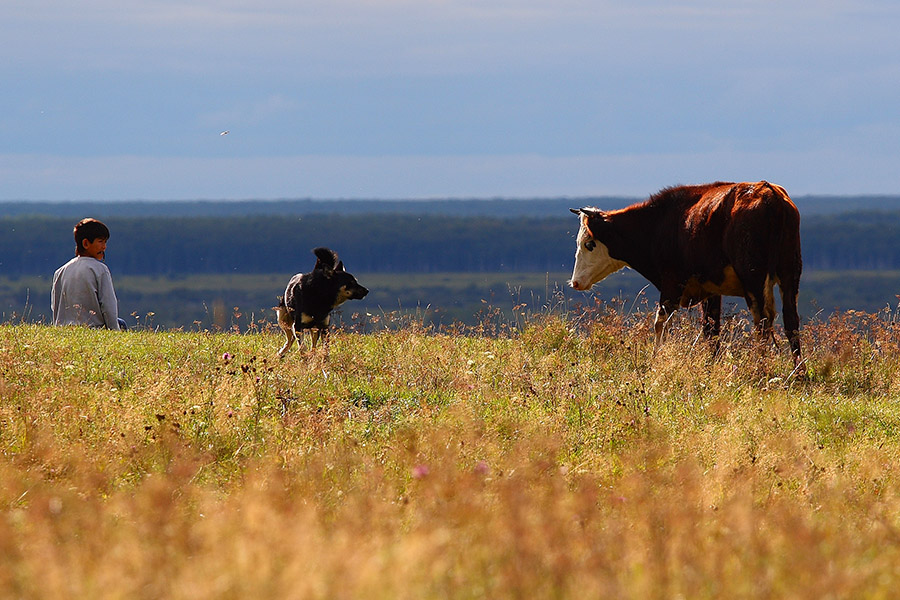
783, 226
786, 262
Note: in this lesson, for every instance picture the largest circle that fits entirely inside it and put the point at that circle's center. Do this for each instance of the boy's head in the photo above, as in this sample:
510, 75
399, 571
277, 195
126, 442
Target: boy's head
90, 238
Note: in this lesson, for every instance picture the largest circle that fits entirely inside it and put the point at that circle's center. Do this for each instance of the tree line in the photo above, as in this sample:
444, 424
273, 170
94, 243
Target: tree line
454, 207
388, 243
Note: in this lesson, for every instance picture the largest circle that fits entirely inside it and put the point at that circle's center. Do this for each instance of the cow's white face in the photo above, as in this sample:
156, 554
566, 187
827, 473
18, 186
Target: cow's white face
592, 260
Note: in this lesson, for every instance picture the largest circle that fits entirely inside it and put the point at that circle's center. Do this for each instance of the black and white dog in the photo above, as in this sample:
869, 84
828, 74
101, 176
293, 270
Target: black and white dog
310, 297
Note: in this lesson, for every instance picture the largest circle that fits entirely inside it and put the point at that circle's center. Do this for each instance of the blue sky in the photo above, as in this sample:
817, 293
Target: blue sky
126, 99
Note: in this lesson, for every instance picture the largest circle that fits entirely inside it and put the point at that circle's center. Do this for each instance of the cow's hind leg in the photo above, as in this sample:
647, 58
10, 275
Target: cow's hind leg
789, 290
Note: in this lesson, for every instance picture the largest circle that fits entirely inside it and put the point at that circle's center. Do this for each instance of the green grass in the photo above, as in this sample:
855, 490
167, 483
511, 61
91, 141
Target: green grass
561, 458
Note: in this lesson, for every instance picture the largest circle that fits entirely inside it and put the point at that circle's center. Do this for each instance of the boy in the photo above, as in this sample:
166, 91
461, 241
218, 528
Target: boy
82, 292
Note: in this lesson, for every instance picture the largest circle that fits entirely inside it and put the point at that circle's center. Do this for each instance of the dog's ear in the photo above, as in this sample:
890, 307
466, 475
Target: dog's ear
326, 260
340, 266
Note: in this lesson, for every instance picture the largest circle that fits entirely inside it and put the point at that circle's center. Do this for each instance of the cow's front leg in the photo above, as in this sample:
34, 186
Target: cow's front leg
762, 315
664, 312
711, 311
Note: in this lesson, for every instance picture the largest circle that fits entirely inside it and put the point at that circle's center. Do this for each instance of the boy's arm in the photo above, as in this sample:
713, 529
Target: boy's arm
109, 305
53, 299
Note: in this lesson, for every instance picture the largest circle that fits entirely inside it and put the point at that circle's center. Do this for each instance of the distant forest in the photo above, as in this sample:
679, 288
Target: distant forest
192, 264
384, 243
461, 207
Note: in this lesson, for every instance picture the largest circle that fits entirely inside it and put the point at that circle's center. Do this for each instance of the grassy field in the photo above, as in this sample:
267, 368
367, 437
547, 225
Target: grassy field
556, 458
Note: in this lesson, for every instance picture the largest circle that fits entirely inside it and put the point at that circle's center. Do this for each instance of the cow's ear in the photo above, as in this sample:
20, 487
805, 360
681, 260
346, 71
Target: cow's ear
596, 221
585, 222
590, 212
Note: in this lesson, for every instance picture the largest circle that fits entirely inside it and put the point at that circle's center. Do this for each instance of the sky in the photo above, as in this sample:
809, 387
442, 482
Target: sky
395, 99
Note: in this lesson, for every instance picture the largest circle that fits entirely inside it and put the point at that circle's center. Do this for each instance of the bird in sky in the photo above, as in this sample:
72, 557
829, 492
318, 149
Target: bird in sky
224, 132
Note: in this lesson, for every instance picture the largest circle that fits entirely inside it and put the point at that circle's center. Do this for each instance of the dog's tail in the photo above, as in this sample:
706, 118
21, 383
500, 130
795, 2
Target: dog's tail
281, 303
326, 259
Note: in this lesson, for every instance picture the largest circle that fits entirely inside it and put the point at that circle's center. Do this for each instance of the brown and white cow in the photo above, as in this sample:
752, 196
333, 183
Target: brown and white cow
699, 243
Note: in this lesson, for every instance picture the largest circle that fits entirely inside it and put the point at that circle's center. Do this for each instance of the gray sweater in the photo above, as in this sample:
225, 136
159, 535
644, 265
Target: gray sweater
83, 294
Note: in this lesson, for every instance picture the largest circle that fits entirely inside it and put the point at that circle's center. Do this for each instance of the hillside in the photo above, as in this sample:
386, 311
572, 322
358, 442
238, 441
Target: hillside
452, 207
566, 461
384, 243
197, 271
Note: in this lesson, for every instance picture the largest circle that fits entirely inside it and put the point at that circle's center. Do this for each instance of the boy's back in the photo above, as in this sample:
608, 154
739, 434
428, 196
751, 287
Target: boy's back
83, 294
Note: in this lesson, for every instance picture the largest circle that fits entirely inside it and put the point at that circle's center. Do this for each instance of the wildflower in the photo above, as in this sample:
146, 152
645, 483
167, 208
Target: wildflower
226, 357
481, 468
420, 471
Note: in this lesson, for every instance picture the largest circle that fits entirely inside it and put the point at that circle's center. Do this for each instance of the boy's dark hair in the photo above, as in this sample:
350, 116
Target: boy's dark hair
89, 229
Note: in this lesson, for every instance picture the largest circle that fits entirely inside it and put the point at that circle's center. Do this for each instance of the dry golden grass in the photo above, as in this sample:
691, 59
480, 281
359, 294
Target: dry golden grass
563, 459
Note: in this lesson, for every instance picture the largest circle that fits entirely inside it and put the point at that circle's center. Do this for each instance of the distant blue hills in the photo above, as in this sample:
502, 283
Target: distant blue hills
462, 207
